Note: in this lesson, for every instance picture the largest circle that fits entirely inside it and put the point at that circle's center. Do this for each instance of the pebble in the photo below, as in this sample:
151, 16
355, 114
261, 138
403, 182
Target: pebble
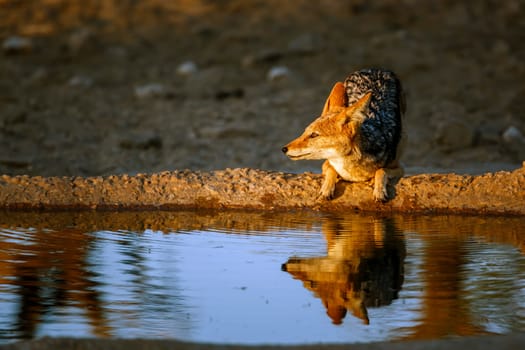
17, 44
150, 90
80, 81
187, 68
513, 135
515, 141
278, 73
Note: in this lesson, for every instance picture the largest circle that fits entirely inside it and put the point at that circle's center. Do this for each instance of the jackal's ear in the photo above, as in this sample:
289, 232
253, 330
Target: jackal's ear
358, 110
337, 98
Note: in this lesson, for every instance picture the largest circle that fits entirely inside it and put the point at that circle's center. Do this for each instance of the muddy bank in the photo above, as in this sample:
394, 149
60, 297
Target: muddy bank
491, 193
514, 341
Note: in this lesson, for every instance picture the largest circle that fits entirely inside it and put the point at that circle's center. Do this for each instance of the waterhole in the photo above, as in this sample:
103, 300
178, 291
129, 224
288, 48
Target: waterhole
259, 277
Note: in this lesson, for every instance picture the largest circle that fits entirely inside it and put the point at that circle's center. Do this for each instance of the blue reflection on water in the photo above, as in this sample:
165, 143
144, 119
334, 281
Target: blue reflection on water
252, 279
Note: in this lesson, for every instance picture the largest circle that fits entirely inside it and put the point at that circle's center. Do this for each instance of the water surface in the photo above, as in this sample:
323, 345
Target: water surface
259, 277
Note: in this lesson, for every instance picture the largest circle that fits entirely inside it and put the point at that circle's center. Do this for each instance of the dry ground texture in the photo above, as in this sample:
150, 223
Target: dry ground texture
100, 87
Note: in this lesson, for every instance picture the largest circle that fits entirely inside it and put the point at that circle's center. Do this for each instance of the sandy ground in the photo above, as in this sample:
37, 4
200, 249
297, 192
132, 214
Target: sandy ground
100, 87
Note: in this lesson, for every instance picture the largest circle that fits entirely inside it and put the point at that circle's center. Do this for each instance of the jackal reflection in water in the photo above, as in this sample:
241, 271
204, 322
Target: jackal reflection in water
363, 266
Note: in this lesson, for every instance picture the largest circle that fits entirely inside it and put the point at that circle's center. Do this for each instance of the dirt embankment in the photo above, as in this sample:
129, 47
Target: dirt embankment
495, 193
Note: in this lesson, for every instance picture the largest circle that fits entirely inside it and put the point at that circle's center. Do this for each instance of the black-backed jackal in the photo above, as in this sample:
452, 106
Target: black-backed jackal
359, 132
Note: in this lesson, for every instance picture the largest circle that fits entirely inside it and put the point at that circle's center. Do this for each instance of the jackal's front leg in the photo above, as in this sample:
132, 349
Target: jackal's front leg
380, 185
381, 178
330, 178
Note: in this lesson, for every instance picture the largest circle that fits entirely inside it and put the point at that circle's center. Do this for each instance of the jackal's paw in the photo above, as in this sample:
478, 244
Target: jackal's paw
380, 194
327, 193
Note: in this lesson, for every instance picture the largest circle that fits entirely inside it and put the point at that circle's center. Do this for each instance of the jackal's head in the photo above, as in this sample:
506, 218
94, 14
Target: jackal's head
335, 133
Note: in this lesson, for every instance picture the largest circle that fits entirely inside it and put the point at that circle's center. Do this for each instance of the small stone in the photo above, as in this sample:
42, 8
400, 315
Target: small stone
80, 81
514, 141
150, 90
513, 135
278, 73
187, 68
17, 44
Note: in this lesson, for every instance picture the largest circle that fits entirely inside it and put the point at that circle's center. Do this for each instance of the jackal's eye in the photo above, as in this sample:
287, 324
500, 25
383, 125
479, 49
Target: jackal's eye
313, 135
